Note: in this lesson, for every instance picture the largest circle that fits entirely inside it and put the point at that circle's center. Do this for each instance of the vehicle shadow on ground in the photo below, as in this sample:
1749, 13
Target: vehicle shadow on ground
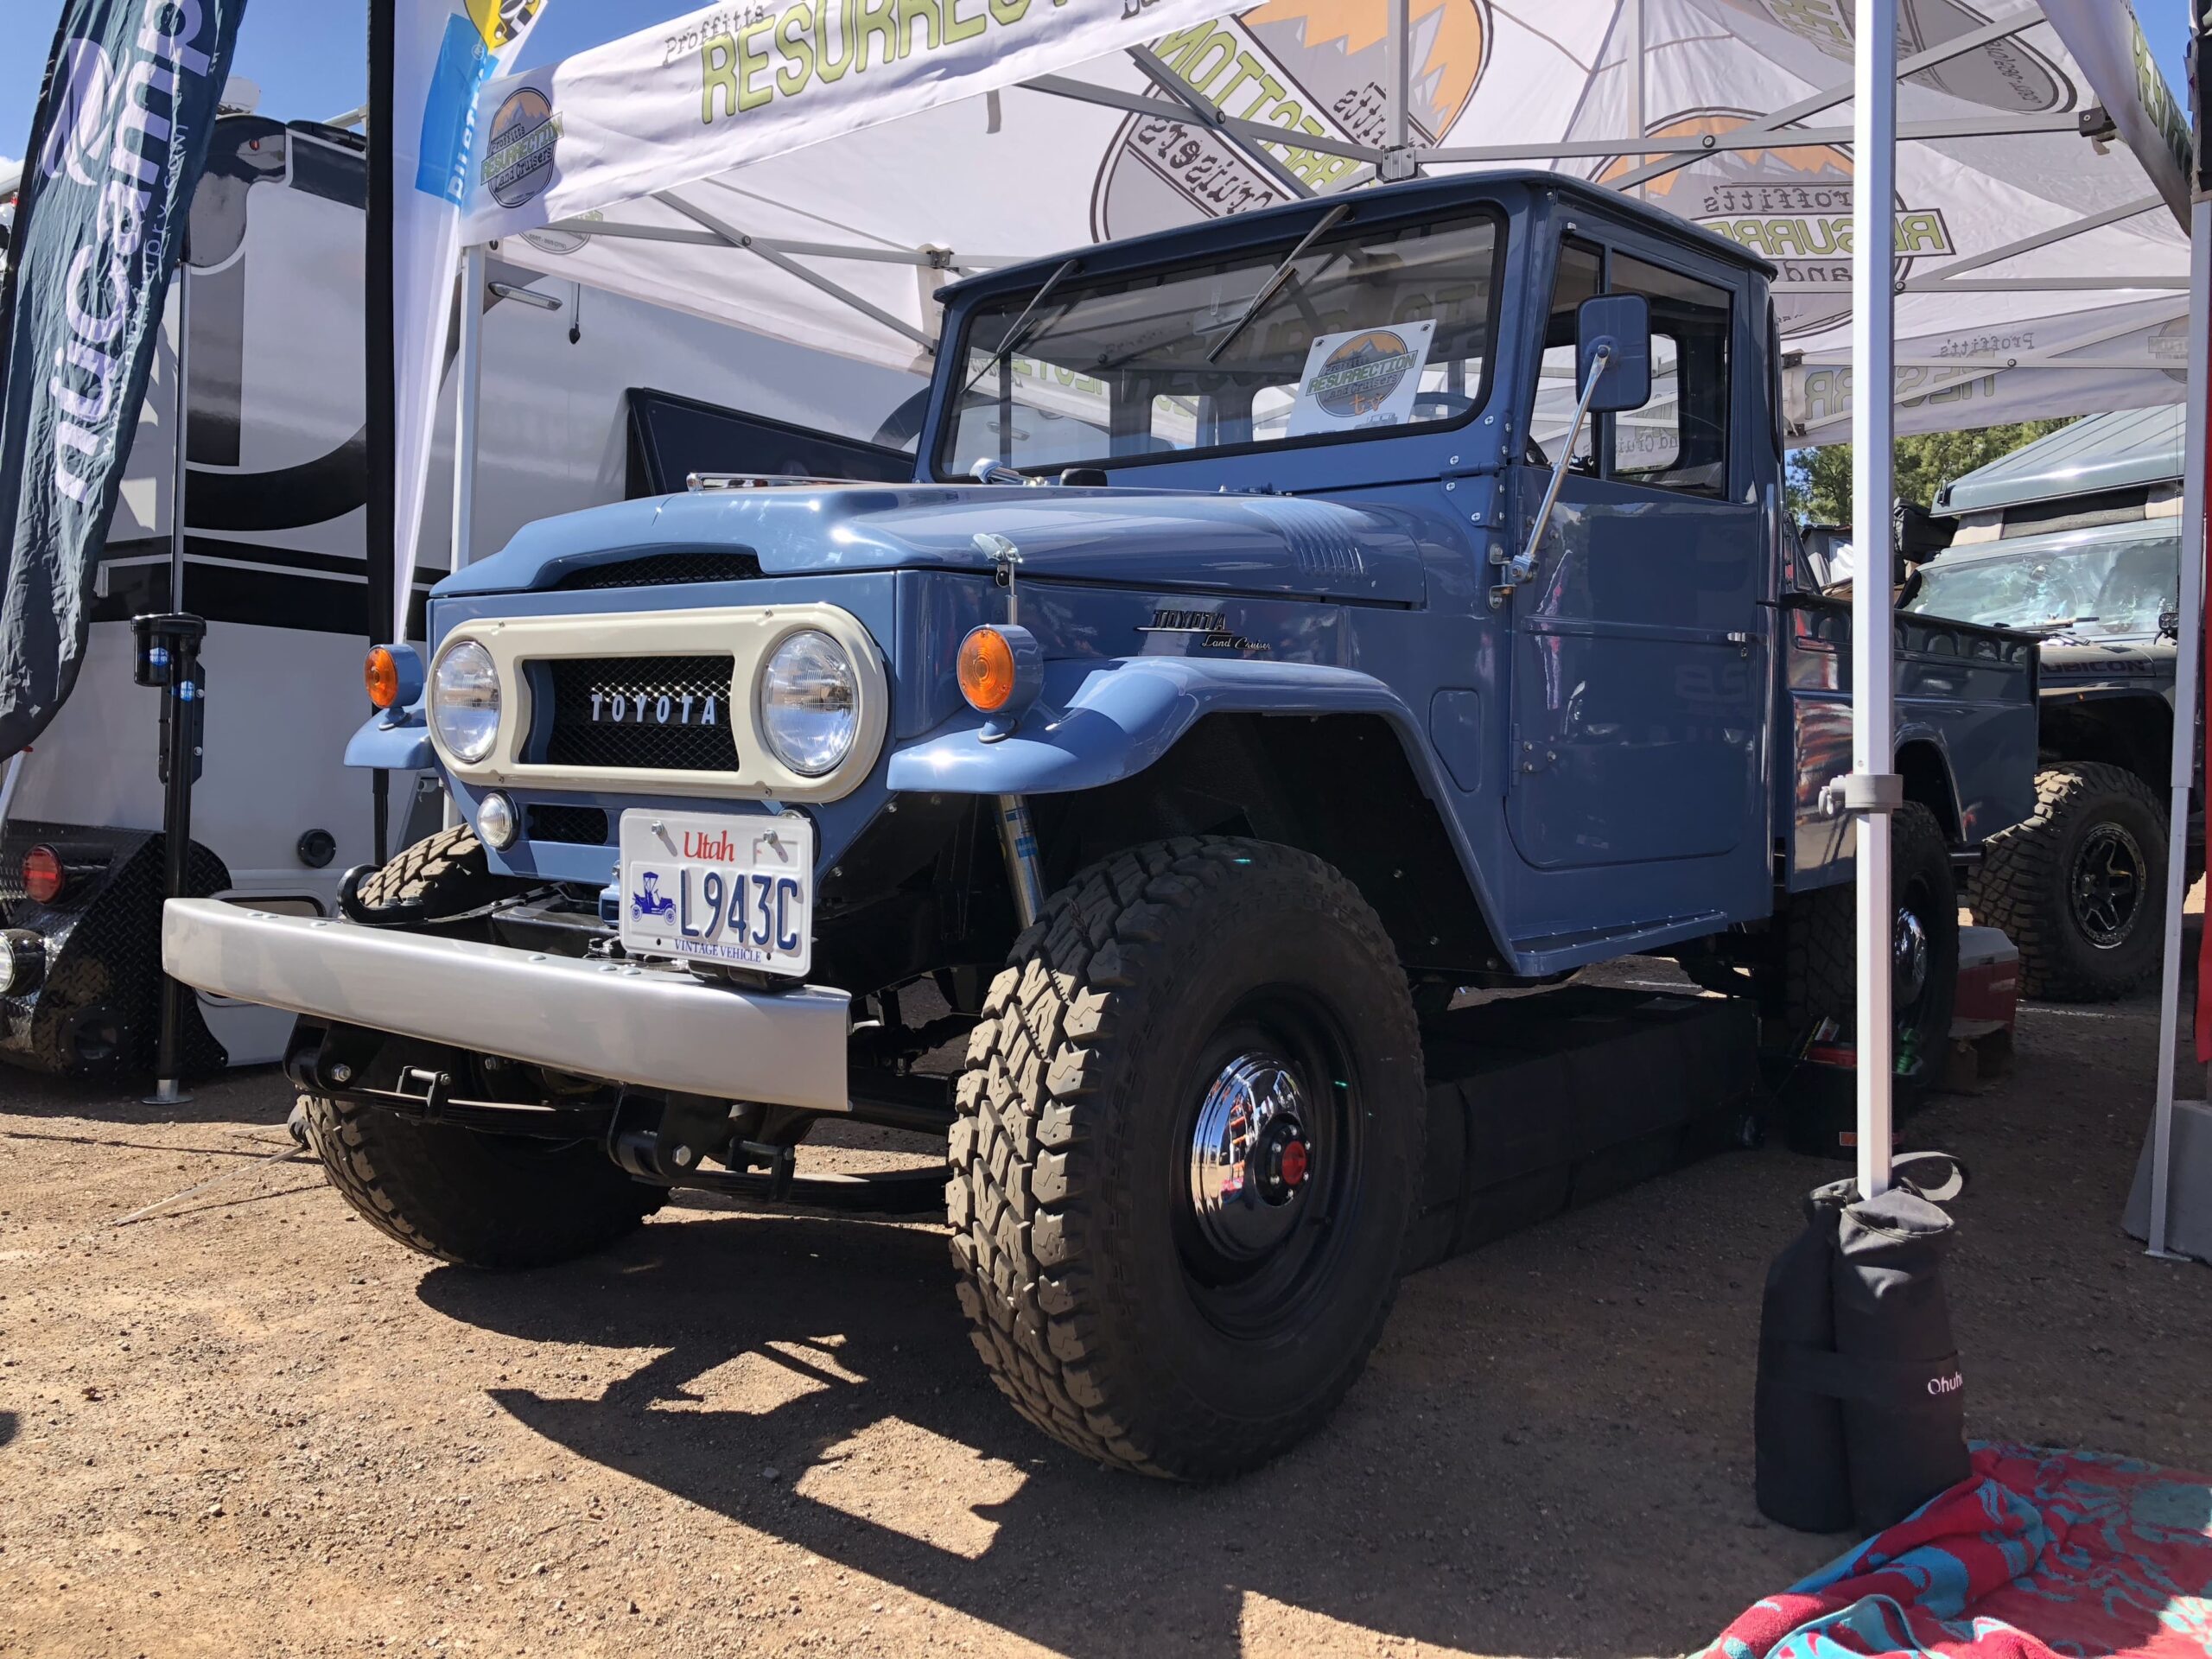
1383, 1524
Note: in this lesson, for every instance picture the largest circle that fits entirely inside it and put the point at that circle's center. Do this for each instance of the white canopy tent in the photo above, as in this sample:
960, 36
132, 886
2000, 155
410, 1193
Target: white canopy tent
815, 176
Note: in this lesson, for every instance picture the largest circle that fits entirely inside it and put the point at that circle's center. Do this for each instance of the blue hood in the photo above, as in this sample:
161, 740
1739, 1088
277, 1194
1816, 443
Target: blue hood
1222, 543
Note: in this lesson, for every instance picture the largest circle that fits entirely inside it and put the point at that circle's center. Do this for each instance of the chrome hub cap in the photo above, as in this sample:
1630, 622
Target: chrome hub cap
1912, 952
1250, 1158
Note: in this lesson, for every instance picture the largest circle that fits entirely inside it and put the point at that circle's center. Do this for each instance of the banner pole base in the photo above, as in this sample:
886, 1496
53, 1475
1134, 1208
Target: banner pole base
167, 1092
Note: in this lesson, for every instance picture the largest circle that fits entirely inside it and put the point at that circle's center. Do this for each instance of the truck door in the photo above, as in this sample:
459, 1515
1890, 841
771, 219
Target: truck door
1637, 695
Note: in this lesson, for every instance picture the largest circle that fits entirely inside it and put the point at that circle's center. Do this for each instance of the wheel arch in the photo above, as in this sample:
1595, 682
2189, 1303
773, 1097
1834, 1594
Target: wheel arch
1134, 749
1926, 770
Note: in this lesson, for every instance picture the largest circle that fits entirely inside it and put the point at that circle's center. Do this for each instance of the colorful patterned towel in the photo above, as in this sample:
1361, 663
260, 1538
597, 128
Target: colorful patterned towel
2038, 1555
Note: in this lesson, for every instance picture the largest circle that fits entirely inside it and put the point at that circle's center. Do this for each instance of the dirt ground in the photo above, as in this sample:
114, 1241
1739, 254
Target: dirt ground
251, 1426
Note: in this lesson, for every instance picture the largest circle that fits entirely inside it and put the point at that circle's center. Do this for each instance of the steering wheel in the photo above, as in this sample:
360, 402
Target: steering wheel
1441, 406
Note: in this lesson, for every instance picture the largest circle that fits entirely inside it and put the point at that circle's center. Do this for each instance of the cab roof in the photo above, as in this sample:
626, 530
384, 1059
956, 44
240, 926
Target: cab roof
1287, 219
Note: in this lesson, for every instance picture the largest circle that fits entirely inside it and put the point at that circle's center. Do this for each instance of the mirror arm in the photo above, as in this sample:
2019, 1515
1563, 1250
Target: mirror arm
1523, 564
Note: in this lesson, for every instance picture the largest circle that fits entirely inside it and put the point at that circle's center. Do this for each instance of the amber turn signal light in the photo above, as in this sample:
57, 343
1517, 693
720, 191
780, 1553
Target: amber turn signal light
986, 670
381, 675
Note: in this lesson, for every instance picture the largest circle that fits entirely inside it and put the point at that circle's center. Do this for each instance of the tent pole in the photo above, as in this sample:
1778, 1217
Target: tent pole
468, 403
2188, 658
1397, 72
1873, 790
180, 423
1639, 121
380, 361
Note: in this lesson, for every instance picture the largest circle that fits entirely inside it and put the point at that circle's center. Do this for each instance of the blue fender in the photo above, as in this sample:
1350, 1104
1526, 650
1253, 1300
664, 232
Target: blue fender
399, 742
1102, 721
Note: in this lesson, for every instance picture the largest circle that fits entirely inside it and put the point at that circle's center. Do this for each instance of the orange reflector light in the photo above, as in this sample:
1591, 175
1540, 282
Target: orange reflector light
381, 674
44, 875
986, 670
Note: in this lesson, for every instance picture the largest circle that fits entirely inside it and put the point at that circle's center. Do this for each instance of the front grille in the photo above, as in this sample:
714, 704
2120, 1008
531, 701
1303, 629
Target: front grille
662, 570
578, 826
654, 736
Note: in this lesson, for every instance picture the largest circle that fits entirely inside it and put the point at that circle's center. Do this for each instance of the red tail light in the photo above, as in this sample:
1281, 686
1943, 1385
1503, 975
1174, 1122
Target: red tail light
44, 875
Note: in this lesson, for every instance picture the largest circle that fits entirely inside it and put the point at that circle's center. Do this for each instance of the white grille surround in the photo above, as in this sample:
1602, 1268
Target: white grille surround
748, 634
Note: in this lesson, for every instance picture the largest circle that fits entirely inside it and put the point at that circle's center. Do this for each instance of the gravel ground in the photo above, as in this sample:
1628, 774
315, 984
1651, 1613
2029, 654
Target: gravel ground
251, 1425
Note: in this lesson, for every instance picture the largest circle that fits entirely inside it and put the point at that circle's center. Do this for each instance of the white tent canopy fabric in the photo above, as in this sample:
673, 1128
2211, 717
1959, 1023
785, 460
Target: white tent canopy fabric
2043, 272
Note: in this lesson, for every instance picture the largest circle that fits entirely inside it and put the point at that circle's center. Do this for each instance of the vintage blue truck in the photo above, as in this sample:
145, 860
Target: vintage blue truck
1291, 621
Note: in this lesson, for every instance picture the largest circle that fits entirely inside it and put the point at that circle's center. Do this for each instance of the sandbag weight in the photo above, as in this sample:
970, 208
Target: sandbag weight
1801, 1476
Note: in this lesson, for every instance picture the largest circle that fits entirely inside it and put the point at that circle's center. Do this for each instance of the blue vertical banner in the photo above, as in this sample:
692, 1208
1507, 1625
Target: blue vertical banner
117, 143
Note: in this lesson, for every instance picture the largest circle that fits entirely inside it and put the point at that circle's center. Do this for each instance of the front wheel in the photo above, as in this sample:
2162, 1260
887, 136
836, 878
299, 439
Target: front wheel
1184, 1168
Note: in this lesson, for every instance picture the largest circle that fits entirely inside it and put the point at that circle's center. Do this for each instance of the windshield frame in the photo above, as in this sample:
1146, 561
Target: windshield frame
955, 356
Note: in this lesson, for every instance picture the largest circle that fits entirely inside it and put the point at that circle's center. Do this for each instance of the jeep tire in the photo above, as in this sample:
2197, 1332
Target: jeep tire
1819, 951
1185, 1163
2080, 887
474, 1199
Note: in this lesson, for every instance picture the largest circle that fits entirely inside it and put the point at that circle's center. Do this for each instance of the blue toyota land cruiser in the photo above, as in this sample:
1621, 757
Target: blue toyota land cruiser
1292, 619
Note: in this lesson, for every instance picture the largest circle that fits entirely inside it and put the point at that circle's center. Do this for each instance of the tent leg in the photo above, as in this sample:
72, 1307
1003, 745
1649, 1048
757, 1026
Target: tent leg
469, 403
1875, 788
2188, 658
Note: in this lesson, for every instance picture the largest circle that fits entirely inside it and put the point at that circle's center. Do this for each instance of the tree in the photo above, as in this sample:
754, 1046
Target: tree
1819, 480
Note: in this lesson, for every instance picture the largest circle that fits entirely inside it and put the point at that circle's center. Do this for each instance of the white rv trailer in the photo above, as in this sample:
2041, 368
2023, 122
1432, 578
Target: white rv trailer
590, 397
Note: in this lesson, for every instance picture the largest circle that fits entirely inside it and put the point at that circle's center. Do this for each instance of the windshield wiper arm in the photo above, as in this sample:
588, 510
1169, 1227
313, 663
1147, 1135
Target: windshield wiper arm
1327, 222
1017, 335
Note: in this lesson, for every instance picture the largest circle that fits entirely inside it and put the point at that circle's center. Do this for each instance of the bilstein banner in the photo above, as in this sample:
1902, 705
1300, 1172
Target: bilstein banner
732, 84
446, 50
118, 143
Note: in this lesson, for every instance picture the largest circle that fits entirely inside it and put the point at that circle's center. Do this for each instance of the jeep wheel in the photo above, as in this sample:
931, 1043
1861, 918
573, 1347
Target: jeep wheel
1820, 950
1184, 1168
477, 1200
2080, 887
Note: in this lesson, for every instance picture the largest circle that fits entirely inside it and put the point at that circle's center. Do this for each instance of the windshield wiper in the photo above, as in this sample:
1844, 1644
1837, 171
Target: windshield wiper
1327, 222
1018, 335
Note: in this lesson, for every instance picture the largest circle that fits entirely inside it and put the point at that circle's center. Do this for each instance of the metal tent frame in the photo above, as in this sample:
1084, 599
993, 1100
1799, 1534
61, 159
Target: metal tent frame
1872, 791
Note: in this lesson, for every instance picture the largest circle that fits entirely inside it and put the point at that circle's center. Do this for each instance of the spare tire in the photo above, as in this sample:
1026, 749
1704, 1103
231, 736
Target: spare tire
2080, 887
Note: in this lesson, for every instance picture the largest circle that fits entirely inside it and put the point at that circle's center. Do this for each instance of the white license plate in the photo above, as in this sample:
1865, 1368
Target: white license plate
720, 886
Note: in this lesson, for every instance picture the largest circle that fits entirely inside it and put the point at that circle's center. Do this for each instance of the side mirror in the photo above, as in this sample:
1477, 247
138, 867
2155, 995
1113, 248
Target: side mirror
1621, 323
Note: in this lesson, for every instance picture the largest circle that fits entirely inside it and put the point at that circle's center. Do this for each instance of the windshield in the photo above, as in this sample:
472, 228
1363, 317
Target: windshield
2115, 588
1364, 329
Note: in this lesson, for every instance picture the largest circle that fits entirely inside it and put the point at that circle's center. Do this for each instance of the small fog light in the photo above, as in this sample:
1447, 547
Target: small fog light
496, 821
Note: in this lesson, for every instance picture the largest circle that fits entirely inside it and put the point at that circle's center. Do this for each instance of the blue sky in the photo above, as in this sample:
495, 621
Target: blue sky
307, 55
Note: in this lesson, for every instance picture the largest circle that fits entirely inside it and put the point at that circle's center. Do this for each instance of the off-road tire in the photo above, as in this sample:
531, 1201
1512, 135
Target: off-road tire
444, 874
477, 1200
1067, 1168
474, 1199
1820, 947
2022, 885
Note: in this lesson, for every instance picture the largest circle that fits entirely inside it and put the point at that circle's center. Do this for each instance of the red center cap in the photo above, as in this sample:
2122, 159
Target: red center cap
1293, 1168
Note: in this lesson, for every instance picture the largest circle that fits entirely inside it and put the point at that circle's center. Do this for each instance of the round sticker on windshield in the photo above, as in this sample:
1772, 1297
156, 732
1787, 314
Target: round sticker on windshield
518, 157
1358, 376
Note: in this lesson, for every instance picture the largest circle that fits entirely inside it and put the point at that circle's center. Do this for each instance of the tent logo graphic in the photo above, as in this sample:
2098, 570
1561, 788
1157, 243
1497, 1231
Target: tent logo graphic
518, 159
1790, 204
1314, 66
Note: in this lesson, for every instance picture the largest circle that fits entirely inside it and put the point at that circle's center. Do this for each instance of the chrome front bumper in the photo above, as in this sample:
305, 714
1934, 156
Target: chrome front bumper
647, 1028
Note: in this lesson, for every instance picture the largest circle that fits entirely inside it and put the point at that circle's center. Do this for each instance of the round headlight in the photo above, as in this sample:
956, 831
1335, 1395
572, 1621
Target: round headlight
465, 702
809, 703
